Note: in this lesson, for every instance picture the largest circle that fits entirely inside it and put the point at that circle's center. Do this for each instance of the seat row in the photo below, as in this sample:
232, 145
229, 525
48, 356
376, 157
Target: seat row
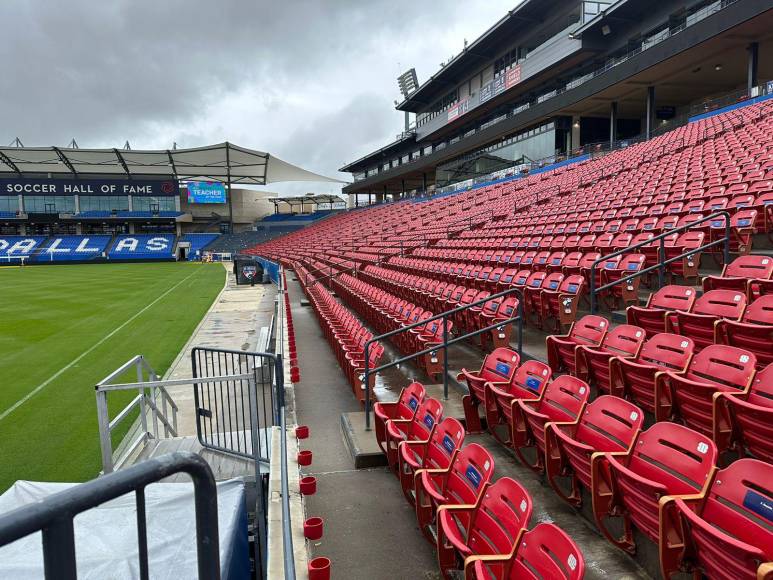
636, 475
477, 525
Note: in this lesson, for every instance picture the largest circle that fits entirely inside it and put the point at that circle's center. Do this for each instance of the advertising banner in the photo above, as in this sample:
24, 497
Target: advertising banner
458, 109
206, 192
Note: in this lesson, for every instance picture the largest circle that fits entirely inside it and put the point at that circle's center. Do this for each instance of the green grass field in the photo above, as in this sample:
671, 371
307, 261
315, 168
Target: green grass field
49, 317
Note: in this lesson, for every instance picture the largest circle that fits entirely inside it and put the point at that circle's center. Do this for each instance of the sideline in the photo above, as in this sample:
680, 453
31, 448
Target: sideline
91, 349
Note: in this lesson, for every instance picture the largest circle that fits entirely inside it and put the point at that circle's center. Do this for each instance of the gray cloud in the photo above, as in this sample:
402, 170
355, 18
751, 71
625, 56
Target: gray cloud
311, 81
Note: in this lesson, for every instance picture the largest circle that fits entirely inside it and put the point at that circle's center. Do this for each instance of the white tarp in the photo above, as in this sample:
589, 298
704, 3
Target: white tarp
106, 536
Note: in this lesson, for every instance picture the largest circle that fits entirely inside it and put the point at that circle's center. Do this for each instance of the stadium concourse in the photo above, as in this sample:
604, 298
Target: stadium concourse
624, 433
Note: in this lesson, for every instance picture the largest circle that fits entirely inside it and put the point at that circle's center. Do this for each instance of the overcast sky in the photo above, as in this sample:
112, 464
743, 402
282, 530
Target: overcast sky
310, 81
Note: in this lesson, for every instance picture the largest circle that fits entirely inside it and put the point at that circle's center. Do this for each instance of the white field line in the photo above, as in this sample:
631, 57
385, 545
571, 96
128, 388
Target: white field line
91, 349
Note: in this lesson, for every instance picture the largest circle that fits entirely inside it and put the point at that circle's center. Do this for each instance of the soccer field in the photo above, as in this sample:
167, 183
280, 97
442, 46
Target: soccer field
64, 328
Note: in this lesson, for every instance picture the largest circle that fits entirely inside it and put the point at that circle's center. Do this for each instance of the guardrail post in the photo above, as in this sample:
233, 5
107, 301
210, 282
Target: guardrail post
105, 442
727, 239
143, 406
661, 263
445, 358
367, 386
593, 288
520, 323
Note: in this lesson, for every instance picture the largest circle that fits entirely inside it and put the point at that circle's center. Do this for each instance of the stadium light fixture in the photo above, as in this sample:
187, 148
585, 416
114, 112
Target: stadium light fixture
408, 82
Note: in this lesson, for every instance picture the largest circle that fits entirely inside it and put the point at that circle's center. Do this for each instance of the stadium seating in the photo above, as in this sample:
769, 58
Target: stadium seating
461, 483
418, 427
198, 242
436, 453
725, 531
754, 332
588, 331
592, 363
688, 395
736, 275
498, 369
608, 424
543, 552
71, 248
634, 378
562, 401
403, 409
489, 527
708, 309
664, 460
15, 246
743, 422
142, 247
652, 317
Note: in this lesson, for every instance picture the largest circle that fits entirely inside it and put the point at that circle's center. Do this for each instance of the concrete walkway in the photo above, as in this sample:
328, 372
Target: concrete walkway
233, 323
370, 530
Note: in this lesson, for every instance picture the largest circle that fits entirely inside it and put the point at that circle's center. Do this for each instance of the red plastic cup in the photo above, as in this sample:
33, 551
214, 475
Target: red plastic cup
313, 528
319, 569
304, 458
308, 485
302, 431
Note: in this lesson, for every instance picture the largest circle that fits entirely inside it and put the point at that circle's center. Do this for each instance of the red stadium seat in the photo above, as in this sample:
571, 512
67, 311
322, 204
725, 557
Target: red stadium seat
754, 332
607, 424
743, 422
689, 395
488, 528
499, 368
627, 291
634, 378
737, 274
562, 401
461, 484
418, 428
652, 317
545, 552
589, 330
528, 383
404, 408
592, 363
724, 533
699, 323
560, 303
437, 453
666, 459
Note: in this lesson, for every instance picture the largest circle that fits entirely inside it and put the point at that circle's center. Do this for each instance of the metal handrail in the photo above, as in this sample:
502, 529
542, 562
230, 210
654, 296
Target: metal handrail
444, 345
54, 515
662, 262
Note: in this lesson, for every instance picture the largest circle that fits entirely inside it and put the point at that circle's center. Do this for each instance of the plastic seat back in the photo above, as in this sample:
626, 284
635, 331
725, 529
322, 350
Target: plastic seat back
470, 472
530, 379
499, 365
504, 510
446, 440
427, 415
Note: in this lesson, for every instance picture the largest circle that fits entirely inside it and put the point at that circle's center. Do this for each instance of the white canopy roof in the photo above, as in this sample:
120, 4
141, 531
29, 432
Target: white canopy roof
222, 162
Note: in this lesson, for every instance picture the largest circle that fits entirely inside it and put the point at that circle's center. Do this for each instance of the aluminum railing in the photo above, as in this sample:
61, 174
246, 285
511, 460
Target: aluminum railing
662, 261
440, 346
54, 515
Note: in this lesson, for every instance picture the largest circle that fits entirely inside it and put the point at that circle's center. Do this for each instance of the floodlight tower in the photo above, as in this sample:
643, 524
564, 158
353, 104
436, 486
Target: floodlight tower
408, 83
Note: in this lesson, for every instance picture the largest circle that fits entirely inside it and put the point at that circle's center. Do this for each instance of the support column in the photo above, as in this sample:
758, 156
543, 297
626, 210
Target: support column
650, 110
230, 197
424, 183
403, 188
131, 203
575, 133
612, 123
754, 56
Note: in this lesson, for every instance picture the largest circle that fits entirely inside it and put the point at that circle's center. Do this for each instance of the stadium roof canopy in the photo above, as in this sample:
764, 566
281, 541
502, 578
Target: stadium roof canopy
222, 162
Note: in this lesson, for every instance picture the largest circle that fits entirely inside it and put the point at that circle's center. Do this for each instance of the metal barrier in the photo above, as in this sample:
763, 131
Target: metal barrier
662, 262
444, 345
54, 515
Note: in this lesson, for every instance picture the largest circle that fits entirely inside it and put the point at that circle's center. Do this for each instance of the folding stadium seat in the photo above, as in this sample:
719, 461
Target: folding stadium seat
403, 409
500, 335
608, 424
498, 368
506, 280
417, 428
743, 422
592, 363
688, 395
528, 383
589, 330
461, 484
563, 400
559, 302
699, 323
490, 527
436, 453
665, 460
736, 274
544, 552
724, 532
533, 287
741, 231
753, 333
652, 317
687, 267
555, 261
628, 291
571, 263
